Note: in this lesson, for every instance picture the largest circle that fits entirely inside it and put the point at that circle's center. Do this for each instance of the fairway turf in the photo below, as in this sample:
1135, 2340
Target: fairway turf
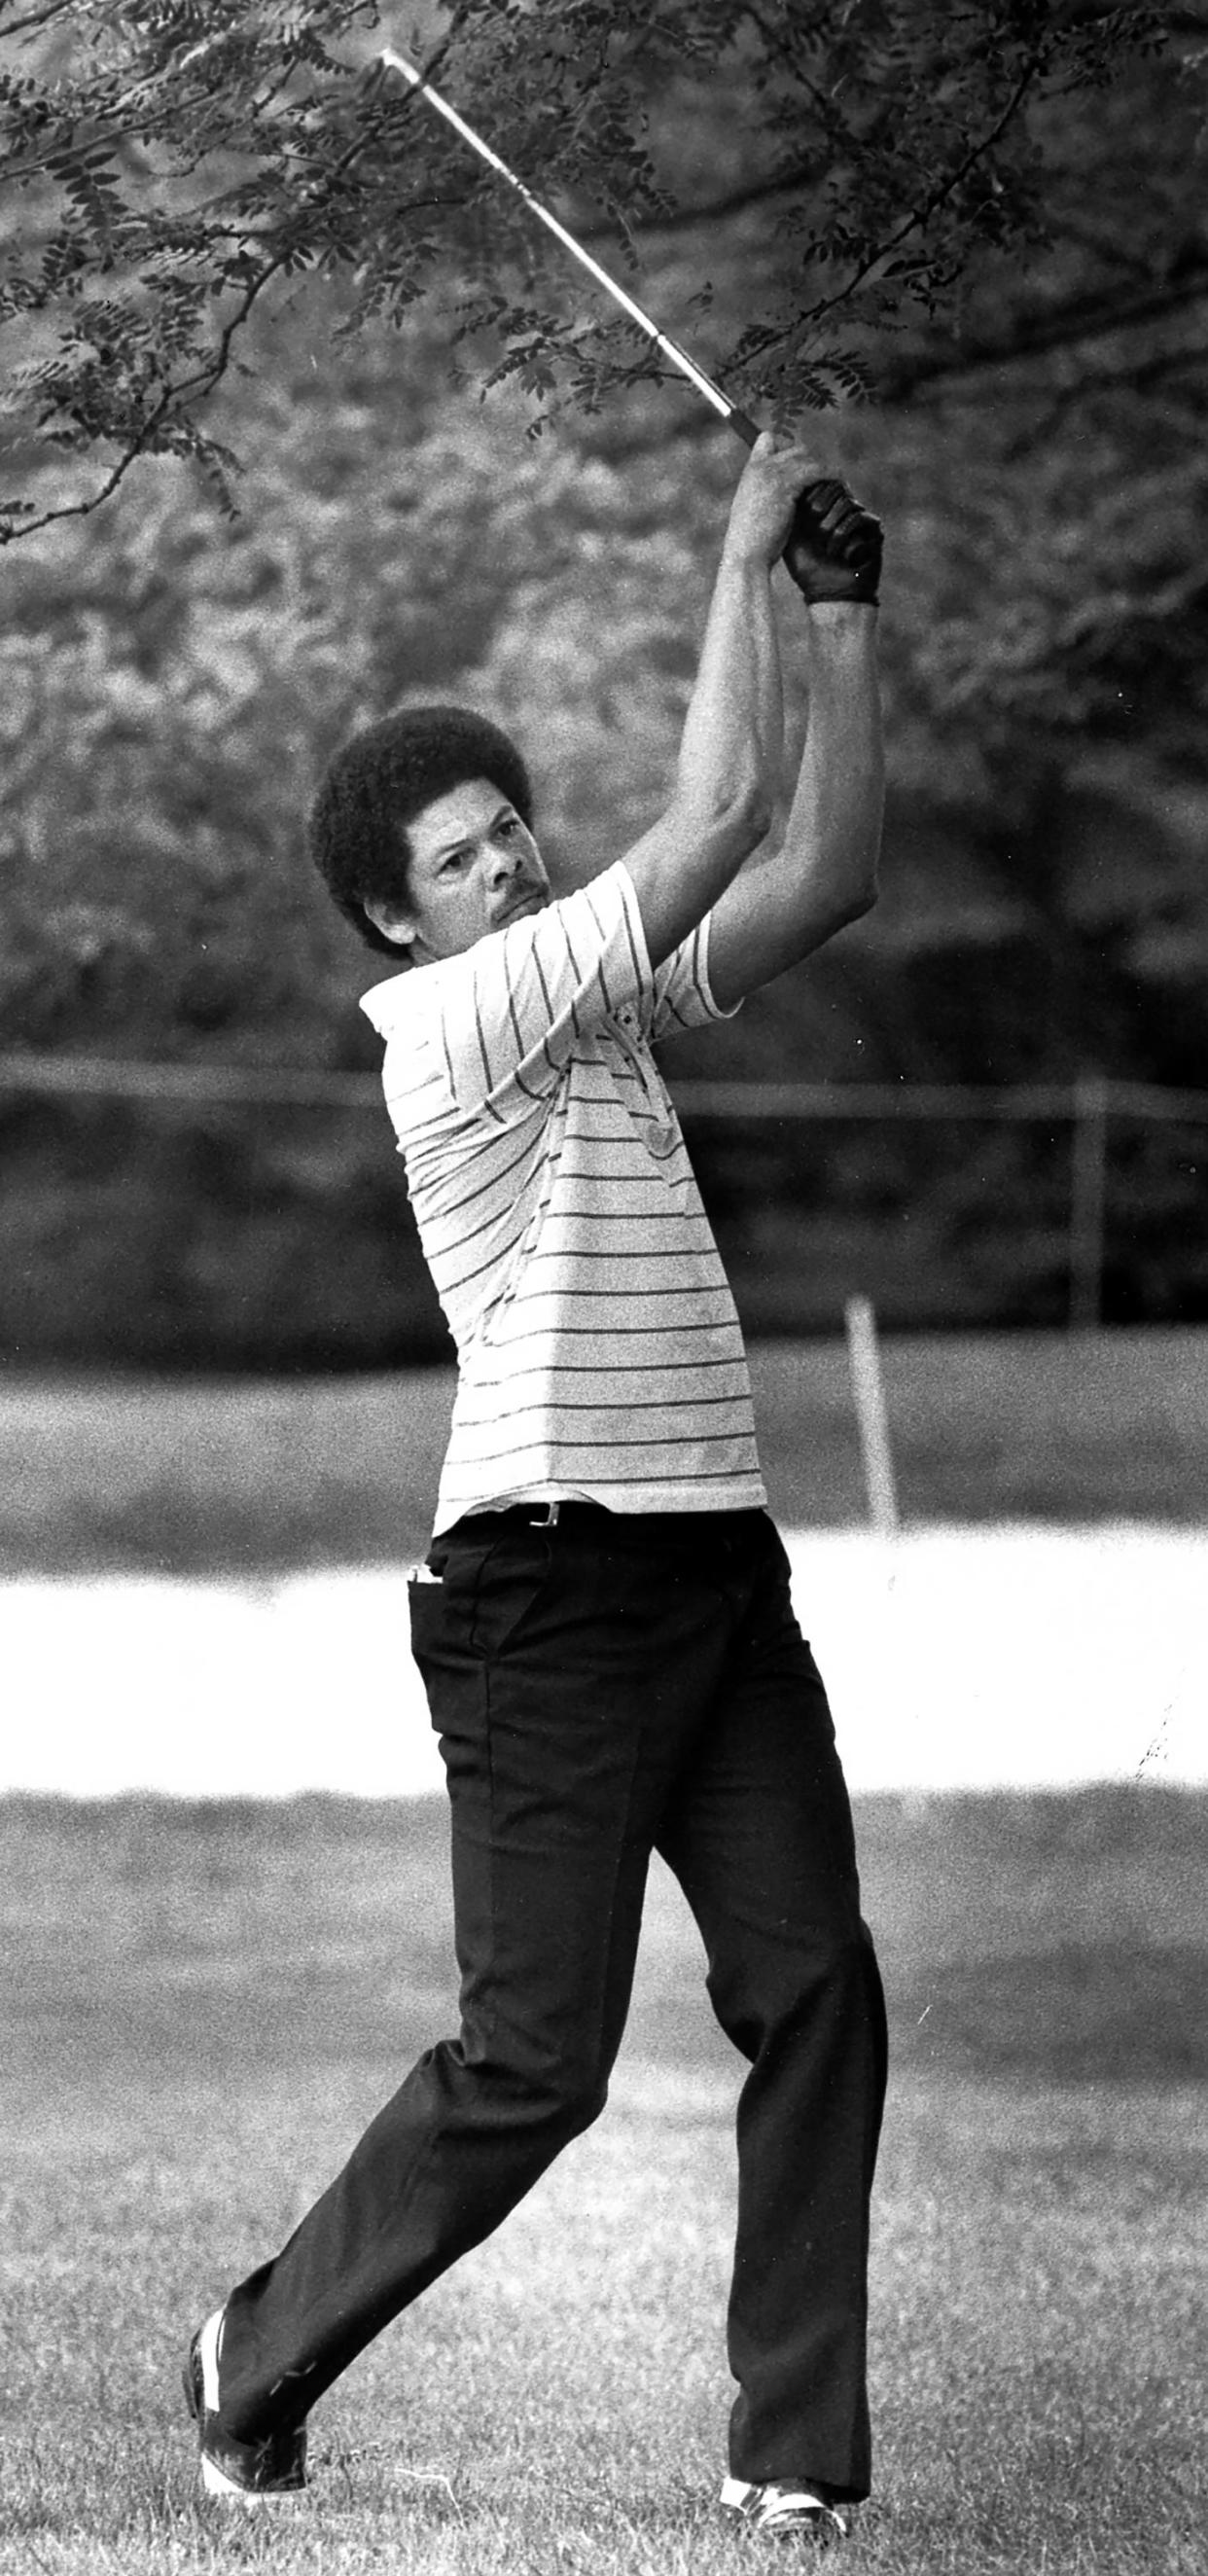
209, 2001
270, 1475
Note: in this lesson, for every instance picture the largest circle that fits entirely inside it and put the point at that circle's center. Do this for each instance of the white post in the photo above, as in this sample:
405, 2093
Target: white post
868, 1388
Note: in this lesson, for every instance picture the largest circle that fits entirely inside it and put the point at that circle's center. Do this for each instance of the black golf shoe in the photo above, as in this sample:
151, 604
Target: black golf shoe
251, 2472
781, 2510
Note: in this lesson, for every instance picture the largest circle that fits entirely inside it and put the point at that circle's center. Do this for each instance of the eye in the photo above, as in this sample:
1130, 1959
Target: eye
508, 827
454, 862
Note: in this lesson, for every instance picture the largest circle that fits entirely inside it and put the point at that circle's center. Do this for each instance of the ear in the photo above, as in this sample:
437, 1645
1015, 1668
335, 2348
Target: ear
396, 926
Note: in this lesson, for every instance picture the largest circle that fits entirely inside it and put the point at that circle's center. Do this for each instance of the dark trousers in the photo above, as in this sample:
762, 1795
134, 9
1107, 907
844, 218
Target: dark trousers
603, 1688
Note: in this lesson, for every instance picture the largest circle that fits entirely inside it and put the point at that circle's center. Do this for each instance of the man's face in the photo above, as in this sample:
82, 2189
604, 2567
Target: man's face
474, 866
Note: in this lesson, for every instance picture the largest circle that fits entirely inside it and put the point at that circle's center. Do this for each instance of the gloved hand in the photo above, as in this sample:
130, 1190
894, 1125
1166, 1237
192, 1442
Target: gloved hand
834, 547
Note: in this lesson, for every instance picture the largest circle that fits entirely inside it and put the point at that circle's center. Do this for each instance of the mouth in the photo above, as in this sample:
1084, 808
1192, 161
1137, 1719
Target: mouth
532, 900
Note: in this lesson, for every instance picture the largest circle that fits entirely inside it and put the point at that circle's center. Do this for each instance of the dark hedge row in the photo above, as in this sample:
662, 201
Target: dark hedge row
244, 1239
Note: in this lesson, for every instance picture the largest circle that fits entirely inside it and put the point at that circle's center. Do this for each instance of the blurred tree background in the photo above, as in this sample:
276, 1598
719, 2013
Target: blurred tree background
250, 293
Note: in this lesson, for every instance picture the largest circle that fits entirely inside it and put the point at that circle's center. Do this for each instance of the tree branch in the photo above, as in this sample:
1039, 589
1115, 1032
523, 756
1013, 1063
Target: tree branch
1065, 329
39, 18
825, 108
204, 379
918, 217
736, 201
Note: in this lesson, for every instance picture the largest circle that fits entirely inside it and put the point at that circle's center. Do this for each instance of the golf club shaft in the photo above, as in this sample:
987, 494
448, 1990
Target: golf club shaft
670, 349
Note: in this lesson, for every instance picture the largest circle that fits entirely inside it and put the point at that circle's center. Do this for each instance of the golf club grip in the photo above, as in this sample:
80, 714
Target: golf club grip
804, 530
742, 425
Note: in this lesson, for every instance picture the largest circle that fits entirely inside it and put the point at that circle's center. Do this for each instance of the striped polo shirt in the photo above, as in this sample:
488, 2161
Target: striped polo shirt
599, 1352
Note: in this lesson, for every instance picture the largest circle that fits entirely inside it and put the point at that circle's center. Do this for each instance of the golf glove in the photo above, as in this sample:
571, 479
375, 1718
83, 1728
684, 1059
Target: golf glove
834, 548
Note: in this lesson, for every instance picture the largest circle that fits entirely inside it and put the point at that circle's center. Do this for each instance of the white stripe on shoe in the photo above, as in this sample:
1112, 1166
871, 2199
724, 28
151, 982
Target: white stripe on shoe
209, 2347
214, 2480
781, 2509
250, 2473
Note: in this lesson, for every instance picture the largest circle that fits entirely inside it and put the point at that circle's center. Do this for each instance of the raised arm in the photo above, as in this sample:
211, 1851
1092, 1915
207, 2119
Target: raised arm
785, 902
732, 744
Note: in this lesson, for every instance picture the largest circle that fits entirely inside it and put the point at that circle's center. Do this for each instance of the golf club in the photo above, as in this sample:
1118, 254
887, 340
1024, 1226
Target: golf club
861, 554
669, 348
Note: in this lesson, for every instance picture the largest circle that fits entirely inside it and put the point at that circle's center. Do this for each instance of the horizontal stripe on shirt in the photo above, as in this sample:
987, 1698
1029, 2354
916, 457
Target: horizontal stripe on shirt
630, 1370
627, 1408
564, 1241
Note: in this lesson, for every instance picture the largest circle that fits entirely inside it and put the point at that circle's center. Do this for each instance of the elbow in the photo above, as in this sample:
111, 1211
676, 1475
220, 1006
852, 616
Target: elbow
850, 902
748, 814
862, 899
735, 818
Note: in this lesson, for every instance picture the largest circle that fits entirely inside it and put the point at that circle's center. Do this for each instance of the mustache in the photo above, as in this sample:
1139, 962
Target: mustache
525, 892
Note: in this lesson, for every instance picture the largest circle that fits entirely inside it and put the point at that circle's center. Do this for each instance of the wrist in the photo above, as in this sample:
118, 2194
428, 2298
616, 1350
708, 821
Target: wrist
838, 617
841, 639
745, 556
840, 611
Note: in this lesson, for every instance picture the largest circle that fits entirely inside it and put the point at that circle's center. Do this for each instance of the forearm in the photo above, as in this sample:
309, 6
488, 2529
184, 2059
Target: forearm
833, 834
732, 745
787, 899
733, 738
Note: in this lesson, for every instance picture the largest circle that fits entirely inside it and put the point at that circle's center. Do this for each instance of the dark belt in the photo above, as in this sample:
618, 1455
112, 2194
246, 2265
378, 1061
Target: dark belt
536, 1516
695, 1527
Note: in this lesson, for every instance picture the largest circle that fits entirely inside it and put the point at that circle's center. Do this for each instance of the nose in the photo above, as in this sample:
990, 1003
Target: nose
505, 863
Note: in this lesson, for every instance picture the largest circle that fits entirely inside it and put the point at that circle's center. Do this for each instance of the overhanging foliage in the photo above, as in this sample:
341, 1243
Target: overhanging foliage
844, 165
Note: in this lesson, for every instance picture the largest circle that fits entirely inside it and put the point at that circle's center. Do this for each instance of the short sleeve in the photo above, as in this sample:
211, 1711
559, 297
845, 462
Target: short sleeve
682, 996
506, 1015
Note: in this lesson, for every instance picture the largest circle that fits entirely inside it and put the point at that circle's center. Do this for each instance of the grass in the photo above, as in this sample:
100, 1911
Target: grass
265, 1475
207, 2003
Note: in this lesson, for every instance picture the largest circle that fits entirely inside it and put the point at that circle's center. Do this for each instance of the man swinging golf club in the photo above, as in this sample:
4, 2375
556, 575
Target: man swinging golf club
603, 1623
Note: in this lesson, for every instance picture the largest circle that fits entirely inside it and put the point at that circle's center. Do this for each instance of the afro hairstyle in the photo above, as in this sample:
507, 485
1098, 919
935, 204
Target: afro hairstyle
380, 781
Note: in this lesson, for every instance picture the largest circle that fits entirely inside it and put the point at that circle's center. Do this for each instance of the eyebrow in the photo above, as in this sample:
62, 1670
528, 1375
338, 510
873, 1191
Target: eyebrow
465, 840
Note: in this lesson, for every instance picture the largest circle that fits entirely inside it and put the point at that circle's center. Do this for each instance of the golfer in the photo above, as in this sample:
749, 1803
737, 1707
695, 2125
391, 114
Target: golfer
603, 1623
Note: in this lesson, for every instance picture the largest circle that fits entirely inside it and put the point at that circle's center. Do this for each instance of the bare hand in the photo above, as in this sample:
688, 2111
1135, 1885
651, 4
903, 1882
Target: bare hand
765, 502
